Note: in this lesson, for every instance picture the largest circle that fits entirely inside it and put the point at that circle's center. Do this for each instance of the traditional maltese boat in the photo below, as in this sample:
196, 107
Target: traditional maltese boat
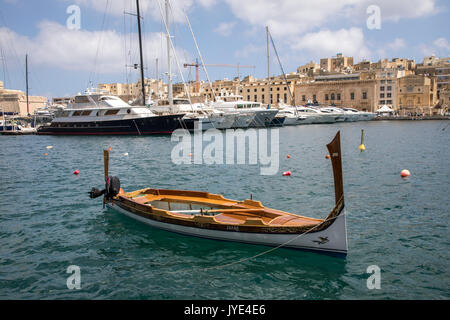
212, 216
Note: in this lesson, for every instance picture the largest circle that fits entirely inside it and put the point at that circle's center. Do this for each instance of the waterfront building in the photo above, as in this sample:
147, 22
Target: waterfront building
387, 86
417, 94
352, 93
257, 91
438, 68
15, 101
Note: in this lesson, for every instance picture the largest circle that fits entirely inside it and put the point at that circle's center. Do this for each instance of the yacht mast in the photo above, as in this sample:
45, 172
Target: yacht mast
169, 69
268, 67
26, 80
140, 53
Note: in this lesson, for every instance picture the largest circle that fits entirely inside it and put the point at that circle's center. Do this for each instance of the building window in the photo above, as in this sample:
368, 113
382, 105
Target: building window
352, 96
389, 88
262, 89
256, 98
389, 102
383, 81
381, 88
382, 102
303, 97
381, 95
248, 90
285, 98
326, 96
364, 95
254, 90
278, 97
248, 98
278, 88
332, 96
338, 96
314, 98
389, 95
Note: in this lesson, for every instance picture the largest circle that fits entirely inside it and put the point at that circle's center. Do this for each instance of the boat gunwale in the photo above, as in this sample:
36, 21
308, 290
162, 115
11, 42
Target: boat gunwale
208, 222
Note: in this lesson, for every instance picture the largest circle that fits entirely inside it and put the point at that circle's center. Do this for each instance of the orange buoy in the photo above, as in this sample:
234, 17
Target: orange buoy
405, 173
76, 171
190, 154
45, 154
327, 156
286, 173
109, 148
288, 156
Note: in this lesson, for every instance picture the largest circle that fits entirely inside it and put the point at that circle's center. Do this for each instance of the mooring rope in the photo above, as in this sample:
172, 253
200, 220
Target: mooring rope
266, 251
271, 249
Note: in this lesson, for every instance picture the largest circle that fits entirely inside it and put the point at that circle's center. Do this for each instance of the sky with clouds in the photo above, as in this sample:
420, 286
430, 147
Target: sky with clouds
63, 61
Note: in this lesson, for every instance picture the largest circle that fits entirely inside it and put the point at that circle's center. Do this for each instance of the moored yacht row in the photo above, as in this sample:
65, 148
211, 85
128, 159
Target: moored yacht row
97, 112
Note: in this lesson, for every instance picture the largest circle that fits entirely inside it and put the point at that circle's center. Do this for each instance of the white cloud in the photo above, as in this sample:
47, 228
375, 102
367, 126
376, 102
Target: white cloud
349, 42
225, 28
442, 43
397, 44
248, 50
293, 17
147, 7
58, 47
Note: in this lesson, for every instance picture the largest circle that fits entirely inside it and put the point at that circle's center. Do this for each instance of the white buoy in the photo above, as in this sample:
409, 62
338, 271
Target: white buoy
125, 154
49, 147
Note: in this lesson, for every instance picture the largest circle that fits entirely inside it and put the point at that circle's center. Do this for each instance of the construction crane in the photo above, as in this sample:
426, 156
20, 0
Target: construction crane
197, 65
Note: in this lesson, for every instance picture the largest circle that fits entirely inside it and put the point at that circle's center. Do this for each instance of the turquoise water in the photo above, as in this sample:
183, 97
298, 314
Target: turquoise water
47, 221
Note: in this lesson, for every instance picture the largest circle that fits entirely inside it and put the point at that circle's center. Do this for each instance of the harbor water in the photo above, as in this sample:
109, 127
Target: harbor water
48, 222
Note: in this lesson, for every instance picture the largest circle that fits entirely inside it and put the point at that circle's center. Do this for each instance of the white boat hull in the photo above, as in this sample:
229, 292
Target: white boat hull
335, 234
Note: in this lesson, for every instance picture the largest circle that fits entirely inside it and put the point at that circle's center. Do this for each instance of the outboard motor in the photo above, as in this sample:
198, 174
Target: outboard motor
112, 189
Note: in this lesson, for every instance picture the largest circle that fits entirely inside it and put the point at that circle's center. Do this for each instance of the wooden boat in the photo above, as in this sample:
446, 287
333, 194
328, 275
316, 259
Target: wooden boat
213, 216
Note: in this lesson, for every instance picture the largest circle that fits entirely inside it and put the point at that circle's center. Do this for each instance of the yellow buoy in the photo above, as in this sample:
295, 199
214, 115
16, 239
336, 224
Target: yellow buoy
361, 146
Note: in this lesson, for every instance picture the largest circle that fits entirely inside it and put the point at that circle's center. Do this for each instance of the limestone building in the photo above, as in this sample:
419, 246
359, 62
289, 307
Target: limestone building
358, 94
15, 101
417, 93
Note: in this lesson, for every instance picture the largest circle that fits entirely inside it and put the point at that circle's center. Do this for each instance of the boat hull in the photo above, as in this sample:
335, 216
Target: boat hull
263, 118
335, 234
138, 126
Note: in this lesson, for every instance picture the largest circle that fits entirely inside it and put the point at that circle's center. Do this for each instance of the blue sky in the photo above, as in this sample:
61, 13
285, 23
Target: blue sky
63, 61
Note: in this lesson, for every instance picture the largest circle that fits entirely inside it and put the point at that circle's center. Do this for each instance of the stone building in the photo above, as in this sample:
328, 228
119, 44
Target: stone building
358, 94
15, 101
417, 94
309, 69
338, 64
130, 91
